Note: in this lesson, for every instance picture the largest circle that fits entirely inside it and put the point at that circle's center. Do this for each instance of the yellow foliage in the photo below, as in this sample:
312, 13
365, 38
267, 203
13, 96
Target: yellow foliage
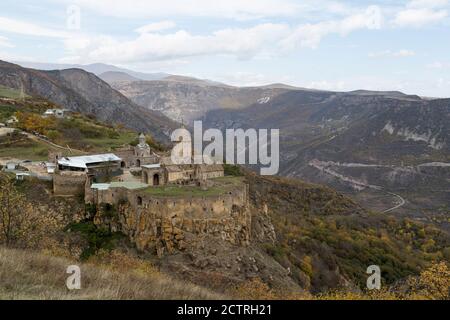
254, 289
34, 122
306, 265
122, 262
433, 283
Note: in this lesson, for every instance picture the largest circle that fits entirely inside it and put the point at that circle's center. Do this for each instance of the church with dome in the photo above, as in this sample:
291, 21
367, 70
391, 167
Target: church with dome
158, 169
136, 156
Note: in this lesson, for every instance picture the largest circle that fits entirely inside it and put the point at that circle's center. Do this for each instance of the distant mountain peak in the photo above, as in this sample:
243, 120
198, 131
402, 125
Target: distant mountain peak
116, 76
95, 68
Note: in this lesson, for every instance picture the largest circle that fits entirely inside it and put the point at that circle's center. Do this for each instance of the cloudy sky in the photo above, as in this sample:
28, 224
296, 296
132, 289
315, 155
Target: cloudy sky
336, 45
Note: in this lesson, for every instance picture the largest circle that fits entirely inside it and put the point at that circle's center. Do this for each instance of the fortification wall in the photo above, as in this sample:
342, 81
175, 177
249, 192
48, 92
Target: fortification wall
167, 224
69, 183
212, 174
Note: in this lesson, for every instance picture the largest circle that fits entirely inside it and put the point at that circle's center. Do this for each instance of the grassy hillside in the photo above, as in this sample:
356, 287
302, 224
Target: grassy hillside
24, 148
6, 92
31, 275
79, 132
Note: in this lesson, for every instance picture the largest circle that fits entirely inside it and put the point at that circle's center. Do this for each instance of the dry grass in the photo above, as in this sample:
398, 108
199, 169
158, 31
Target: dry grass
30, 275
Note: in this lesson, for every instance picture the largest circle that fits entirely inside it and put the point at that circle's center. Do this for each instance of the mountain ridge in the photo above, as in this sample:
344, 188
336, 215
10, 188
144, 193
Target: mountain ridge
96, 68
81, 91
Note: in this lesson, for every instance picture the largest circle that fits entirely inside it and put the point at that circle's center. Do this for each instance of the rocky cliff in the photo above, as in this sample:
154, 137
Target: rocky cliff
187, 99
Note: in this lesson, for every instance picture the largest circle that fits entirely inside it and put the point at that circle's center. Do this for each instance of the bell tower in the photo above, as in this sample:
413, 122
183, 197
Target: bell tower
142, 149
142, 141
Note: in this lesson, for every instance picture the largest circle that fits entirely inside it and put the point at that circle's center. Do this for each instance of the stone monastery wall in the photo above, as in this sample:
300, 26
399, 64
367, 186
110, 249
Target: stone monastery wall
166, 224
69, 183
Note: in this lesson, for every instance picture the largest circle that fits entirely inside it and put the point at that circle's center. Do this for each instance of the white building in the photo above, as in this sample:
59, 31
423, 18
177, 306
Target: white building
11, 121
90, 163
22, 175
58, 113
51, 167
11, 165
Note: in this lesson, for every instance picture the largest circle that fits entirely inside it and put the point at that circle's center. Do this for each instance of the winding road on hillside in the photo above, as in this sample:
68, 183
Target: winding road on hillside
401, 203
358, 184
37, 138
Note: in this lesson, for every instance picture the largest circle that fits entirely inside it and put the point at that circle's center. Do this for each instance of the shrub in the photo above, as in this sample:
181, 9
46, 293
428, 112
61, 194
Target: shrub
232, 170
97, 237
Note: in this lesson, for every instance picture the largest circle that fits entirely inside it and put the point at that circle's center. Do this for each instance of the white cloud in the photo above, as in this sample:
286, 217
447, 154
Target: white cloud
427, 3
439, 65
235, 9
261, 40
442, 83
27, 28
394, 54
240, 42
310, 35
156, 26
4, 42
419, 17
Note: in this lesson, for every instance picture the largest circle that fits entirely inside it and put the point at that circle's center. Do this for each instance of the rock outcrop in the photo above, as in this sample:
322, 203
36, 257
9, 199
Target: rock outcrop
170, 223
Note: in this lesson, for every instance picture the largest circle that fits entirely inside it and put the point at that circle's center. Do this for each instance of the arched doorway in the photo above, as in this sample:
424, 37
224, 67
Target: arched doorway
138, 163
122, 164
156, 179
145, 177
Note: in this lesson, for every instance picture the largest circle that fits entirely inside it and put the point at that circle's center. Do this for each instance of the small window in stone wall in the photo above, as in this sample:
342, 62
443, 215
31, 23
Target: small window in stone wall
139, 201
158, 232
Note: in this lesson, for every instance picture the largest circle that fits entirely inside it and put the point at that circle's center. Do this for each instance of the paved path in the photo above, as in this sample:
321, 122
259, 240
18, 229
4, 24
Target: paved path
402, 202
36, 138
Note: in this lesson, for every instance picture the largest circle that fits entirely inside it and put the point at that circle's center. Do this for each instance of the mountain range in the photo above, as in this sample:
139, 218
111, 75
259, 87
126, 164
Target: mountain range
95, 68
84, 92
387, 149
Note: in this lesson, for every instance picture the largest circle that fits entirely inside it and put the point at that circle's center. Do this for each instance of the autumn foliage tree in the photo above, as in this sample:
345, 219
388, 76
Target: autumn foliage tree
433, 283
22, 223
11, 211
34, 122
